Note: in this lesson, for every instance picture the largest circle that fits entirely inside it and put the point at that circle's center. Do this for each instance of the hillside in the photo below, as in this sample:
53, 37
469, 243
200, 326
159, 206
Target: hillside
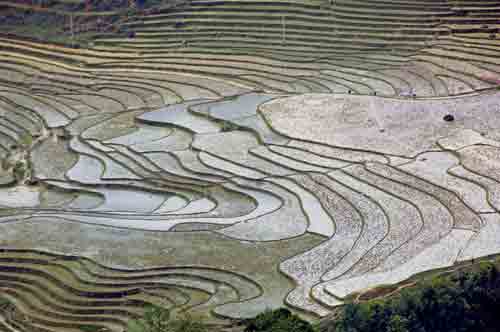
73, 22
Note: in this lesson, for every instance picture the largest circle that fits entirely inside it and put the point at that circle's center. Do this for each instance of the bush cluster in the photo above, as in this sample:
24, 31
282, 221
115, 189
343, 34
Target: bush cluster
468, 302
280, 320
157, 319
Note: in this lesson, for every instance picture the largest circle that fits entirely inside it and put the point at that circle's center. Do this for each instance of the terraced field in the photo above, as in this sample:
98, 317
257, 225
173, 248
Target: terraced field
232, 156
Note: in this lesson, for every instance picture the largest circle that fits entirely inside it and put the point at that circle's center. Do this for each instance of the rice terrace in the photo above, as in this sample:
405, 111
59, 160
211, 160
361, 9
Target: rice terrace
224, 157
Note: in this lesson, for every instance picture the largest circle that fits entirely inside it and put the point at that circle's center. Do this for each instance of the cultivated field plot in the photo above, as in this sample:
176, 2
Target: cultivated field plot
232, 156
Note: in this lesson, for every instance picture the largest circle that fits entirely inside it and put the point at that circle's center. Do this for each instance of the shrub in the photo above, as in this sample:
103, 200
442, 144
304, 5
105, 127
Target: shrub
26, 140
91, 328
280, 320
20, 170
4, 302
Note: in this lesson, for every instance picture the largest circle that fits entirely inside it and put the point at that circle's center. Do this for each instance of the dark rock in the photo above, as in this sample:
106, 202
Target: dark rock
448, 118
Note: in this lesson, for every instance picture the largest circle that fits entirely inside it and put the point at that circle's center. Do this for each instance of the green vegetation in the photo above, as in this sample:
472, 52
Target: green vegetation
158, 319
468, 301
20, 170
280, 320
4, 302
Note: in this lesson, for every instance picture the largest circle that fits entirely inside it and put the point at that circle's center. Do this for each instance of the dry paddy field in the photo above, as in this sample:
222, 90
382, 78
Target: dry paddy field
233, 156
